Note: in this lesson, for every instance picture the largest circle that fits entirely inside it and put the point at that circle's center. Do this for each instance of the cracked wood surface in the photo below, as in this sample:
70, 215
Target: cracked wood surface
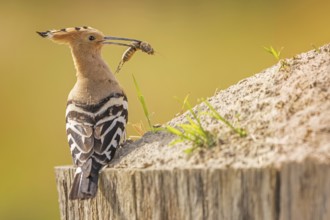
293, 191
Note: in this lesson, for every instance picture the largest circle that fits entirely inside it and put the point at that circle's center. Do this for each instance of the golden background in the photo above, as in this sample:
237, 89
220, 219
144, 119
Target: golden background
201, 46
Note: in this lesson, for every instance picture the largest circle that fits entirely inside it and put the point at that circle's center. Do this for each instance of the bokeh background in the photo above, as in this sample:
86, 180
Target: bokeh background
201, 46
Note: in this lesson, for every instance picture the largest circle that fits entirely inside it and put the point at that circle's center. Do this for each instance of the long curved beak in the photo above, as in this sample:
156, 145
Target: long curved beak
120, 39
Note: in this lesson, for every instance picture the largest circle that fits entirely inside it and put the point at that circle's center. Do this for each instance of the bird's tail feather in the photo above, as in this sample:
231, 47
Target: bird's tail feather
85, 182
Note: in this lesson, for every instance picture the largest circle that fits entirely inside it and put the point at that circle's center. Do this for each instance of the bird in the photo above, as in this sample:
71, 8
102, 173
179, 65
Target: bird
97, 107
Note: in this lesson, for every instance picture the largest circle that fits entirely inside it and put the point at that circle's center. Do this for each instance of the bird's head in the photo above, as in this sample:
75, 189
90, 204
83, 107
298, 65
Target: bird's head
82, 38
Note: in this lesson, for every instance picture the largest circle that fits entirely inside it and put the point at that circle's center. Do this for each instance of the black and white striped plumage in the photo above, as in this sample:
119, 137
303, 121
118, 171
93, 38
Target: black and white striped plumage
94, 132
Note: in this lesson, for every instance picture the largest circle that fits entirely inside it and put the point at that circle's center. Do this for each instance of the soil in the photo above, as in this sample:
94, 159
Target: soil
285, 110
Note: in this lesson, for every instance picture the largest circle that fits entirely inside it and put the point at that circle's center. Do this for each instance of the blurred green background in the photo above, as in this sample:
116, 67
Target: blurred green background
201, 46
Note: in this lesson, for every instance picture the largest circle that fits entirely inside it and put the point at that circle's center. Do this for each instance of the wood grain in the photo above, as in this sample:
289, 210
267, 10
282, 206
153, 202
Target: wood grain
175, 194
293, 191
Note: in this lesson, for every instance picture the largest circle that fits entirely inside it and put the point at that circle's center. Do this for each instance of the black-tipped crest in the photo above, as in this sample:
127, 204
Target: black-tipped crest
47, 33
43, 34
52, 33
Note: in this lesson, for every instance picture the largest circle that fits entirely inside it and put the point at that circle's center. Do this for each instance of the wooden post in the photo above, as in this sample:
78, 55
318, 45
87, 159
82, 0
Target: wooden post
294, 191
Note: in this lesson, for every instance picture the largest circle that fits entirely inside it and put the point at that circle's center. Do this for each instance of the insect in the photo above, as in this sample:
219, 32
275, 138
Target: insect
135, 46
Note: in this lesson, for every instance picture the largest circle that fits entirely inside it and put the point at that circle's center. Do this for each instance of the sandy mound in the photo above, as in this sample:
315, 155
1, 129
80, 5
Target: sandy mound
285, 110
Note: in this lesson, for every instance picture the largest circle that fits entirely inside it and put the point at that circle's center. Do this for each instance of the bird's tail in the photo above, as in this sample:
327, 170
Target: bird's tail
85, 181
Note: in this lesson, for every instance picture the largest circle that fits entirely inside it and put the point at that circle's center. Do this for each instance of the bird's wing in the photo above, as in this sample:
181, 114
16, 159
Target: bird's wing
109, 129
96, 130
79, 129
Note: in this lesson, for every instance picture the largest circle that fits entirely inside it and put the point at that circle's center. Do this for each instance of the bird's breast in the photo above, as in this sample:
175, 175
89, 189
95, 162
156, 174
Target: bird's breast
92, 92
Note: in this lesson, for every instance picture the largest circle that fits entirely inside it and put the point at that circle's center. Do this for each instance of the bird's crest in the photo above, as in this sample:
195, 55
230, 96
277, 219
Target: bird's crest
64, 31
74, 35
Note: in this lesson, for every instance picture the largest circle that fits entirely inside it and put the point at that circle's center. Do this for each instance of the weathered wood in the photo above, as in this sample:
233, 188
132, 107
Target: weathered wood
175, 194
294, 191
305, 191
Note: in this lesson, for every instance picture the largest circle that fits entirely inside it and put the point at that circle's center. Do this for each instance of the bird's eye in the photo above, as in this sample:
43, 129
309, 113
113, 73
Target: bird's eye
91, 38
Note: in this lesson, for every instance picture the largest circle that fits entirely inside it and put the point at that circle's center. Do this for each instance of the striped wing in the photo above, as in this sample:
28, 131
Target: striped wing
80, 132
96, 130
109, 129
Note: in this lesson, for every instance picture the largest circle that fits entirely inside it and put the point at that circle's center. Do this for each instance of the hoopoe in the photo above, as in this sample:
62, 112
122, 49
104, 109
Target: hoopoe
96, 113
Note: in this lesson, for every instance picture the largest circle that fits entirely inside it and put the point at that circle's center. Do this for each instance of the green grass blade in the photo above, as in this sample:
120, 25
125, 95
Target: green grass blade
275, 53
176, 141
195, 116
173, 130
216, 115
189, 150
143, 103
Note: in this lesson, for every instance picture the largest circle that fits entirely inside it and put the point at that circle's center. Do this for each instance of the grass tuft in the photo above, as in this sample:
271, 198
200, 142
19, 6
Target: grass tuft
284, 65
194, 132
276, 53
